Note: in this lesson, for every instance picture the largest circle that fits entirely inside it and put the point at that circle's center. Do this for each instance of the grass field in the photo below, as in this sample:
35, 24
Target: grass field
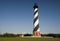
28, 39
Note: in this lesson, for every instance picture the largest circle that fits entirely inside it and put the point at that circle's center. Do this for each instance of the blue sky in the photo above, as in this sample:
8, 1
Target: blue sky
16, 16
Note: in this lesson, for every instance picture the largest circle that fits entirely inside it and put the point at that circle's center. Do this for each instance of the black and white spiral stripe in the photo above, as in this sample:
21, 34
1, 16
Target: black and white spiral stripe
36, 20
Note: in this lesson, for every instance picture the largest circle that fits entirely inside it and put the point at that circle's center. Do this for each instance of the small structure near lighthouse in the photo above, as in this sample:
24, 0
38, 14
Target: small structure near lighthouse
36, 30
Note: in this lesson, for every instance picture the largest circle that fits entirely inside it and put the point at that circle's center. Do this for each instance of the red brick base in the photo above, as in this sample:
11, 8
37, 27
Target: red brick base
37, 34
21, 35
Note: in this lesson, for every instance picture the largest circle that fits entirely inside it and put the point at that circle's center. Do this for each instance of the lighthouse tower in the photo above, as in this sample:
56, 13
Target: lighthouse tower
36, 30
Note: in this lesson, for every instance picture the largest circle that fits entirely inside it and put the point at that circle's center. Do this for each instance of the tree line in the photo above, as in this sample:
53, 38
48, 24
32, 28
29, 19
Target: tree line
51, 35
17, 35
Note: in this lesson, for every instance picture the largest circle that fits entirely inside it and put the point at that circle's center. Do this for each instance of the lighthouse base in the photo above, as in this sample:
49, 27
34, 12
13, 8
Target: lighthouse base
36, 34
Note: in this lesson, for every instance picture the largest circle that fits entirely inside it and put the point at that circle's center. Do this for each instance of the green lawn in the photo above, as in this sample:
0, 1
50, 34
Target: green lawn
28, 39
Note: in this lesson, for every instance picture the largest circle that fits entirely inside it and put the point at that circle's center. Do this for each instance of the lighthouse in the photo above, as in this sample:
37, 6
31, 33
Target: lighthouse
36, 29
